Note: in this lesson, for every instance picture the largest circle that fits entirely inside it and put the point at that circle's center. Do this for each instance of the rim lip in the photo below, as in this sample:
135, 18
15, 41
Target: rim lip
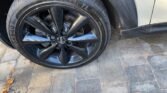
44, 5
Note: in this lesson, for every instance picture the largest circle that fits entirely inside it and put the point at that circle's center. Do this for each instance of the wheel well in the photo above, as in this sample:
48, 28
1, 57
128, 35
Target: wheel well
111, 13
122, 13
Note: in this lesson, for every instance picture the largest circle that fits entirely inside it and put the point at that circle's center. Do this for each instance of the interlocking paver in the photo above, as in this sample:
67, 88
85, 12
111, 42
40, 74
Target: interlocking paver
128, 61
22, 62
40, 83
63, 83
144, 87
40, 80
110, 68
39, 90
89, 71
118, 88
157, 42
41, 69
10, 55
22, 78
158, 62
5, 69
157, 48
141, 73
112, 73
88, 86
2, 83
163, 91
161, 76
134, 47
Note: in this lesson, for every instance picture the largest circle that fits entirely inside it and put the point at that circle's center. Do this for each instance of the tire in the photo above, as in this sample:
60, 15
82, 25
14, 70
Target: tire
94, 8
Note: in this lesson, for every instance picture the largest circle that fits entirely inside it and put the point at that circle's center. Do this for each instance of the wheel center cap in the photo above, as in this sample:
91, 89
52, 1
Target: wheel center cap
61, 40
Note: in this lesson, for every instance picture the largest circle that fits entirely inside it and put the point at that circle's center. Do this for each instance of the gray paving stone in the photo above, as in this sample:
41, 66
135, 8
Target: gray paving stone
118, 88
144, 87
163, 91
2, 50
132, 51
88, 86
89, 71
63, 83
5, 69
22, 62
155, 39
42, 69
157, 42
2, 83
22, 78
40, 80
128, 61
111, 71
134, 47
139, 74
131, 43
158, 62
56, 72
39, 90
161, 76
157, 48
110, 68
10, 55
40, 83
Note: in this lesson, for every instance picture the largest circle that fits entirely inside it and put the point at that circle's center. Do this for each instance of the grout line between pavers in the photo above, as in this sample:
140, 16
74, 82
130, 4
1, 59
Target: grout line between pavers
153, 71
99, 73
154, 75
14, 68
52, 81
157, 80
27, 89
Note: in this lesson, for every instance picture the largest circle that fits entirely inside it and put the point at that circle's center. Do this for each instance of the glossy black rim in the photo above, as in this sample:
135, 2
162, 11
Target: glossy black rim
59, 36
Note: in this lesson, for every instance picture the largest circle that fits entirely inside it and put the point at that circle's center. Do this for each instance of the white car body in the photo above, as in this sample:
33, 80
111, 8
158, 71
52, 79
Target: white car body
151, 11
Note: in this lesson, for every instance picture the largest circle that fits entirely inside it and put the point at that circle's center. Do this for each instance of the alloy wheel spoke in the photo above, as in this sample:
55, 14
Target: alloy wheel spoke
88, 38
37, 23
34, 39
64, 56
57, 16
44, 54
77, 25
80, 51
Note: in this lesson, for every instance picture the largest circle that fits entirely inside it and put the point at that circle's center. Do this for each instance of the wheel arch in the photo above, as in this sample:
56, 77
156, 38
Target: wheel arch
122, 13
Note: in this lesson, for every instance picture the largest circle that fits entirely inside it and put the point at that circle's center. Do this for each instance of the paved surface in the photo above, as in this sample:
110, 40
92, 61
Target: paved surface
136, 65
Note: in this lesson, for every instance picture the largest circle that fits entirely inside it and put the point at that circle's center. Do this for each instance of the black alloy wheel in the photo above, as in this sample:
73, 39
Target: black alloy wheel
58, 35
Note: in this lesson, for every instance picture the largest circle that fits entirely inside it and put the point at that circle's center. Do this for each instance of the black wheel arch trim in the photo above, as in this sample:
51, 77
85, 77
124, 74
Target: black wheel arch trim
123, 11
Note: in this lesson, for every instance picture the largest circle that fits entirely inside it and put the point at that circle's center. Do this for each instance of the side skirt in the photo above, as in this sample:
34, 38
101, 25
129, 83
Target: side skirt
144, 30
